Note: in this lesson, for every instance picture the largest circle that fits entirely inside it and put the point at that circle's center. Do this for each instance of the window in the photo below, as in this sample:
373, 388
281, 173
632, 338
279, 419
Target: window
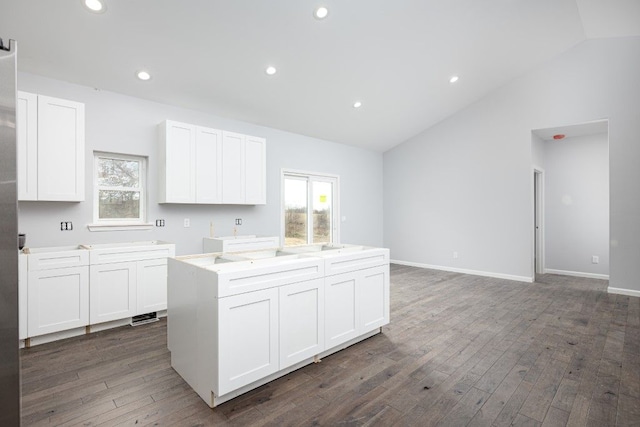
119, 189
309, 208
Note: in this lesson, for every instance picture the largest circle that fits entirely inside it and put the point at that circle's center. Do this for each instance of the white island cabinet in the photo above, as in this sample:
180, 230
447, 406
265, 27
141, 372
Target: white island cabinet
237, 321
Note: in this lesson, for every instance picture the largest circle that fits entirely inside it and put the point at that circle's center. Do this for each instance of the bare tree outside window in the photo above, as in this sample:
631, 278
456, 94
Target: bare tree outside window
119, 182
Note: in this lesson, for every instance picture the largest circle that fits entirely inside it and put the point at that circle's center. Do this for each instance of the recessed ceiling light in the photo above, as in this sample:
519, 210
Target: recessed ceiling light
321, 12
453, 79
270, 70
357, 104
143, 75
96, 6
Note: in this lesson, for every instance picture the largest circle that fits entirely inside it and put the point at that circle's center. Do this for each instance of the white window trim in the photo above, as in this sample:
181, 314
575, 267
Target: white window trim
316, 176
120, 224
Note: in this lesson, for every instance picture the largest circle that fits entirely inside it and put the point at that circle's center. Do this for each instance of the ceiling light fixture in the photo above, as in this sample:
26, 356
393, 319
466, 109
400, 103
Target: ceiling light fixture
95, 6
357, 104
143, 75
453, 79
321, 12
270, 70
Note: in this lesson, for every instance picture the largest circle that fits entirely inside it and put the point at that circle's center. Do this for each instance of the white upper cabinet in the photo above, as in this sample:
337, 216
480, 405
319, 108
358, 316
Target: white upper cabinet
177, 163
208, 165
233, 168
50, 148
204, 165
255, 165
27, 132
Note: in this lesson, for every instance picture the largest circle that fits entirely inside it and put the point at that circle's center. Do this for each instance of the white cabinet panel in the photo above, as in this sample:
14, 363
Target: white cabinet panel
255, 170
208, 165
249, 345
341, 314
177, 156
58, 299
22, 297
27, 133
50, 135
374, 298
233, 168
113, 291
60, 149
301, 321
151, 286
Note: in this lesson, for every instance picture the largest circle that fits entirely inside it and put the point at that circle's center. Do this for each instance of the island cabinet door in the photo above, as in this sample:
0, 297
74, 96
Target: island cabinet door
301, 321
373, 290
341, 308
112, 291
248, 338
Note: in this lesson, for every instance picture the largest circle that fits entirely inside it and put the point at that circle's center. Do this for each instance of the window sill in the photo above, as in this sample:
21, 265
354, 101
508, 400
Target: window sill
119, 227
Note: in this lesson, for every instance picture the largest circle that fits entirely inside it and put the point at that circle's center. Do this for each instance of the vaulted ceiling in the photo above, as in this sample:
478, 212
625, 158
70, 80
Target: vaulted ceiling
395, 57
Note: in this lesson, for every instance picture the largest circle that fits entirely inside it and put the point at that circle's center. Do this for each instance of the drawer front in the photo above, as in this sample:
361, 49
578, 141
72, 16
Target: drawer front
51, 260
124, 254
347, 262
269, 276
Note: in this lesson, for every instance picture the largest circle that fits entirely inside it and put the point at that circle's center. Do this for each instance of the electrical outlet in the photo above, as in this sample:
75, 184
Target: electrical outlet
159, 222
238, 221
187, 223
595, 259
66, 226
455, 254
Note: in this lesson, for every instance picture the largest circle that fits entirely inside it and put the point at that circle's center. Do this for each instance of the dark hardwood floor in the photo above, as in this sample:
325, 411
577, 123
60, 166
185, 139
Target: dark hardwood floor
460, 351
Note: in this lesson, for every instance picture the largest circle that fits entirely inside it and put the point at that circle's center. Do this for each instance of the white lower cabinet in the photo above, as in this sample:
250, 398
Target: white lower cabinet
128, 280
373, 296
302, 321
72, 287
151, 285
112, 291
356, 303
58, 299
341, 311
249, 345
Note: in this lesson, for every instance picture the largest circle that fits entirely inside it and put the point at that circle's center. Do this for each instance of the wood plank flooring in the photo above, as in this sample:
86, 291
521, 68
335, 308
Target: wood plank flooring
460, 351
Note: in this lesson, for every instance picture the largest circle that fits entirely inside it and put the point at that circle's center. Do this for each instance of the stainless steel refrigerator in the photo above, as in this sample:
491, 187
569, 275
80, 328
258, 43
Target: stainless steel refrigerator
9, 356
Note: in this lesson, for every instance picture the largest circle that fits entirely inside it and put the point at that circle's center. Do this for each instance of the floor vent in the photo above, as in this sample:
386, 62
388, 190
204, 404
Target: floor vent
144, 319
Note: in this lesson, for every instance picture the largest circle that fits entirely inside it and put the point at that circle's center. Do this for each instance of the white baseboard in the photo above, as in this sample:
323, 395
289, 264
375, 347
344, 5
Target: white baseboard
466, 271
577, 274
622, 291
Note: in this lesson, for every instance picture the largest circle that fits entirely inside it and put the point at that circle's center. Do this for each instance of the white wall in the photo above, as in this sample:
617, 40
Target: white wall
537, 151
122, 124
466, 183
577, 205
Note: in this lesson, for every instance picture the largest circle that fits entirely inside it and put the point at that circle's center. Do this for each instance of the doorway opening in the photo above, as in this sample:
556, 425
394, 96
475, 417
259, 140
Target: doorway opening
570, 186
538, 220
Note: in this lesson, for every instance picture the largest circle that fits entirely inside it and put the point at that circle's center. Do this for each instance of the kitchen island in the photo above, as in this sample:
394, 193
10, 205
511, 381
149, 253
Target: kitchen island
237, 321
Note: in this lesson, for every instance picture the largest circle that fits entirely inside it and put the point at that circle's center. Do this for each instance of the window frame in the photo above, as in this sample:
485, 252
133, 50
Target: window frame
99, 224
311, 177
